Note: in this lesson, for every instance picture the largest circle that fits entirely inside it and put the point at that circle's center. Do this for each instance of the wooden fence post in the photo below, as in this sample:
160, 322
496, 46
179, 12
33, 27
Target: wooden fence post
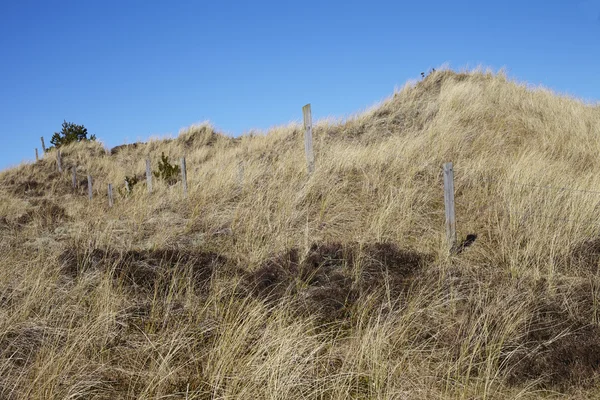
308, 141
184, 176
74, 178
59, 161
90, 192
37, 157
110, 195
449, 206
43, 145
148, 176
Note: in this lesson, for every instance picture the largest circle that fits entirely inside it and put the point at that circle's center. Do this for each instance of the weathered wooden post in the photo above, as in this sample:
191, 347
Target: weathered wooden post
449, 206
308, 141
43, 145
74, 177
37, 157
59, 161
110, 195
148, 176
184, 176
90, 192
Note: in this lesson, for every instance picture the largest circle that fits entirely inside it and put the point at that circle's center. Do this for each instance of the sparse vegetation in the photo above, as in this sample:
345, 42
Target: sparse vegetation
334, 287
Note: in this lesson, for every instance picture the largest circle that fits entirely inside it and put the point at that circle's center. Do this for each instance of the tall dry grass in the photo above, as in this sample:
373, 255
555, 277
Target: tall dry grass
267, 283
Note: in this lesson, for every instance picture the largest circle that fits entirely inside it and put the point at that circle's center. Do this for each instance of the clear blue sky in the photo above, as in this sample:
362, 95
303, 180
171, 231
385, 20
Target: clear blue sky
128, 70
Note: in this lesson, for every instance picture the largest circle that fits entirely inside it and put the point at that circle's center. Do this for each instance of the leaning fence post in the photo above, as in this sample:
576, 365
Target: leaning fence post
58, 161
90, 192
184, 176
449, 205
148, 176
43, 145
110, 195
308, 142
37, 157
74, 178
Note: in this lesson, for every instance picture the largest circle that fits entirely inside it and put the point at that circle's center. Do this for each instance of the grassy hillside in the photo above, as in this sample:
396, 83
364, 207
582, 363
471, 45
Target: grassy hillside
267, 283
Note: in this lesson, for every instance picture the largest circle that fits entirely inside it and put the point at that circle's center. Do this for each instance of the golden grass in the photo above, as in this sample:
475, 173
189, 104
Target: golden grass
271, 284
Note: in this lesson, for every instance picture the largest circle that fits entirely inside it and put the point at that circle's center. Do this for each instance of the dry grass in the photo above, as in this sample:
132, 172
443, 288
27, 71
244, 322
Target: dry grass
271, 284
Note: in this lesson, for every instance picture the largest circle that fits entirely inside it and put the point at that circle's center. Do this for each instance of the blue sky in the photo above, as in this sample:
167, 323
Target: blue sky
128, 70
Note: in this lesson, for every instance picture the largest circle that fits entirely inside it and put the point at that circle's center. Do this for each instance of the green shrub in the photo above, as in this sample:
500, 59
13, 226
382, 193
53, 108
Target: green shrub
167, 172
69, 133
131, 182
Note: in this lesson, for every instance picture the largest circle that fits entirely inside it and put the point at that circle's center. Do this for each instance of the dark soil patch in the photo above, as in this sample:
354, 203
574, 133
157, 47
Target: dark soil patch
143, 269
204, 136
586, 256
25, 218
27, 188
329, 280
21, 345
116, 150
7, 392
35, 185
45, 211
82, 184
557, 352
49, 213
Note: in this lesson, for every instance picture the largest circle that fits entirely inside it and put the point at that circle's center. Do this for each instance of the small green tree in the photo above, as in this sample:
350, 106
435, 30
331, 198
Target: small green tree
166, 171
69, 133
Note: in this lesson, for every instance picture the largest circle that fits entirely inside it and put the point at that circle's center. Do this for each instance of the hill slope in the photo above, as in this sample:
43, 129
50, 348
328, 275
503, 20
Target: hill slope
266, 283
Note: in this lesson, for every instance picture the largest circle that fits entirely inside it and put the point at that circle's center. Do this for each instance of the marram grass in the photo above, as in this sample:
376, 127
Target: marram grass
266, 283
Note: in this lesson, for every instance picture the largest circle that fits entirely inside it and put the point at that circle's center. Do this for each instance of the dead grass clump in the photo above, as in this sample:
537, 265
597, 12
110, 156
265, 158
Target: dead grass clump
329, 280
9, 296
4, 223
28, 185
385, 262
197, 136
557, 352
586, 256
49, 213
432, 83
118, 149
45, 212
272, 279
30, 188
143, 269
84, 148
20, 344
6, 392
